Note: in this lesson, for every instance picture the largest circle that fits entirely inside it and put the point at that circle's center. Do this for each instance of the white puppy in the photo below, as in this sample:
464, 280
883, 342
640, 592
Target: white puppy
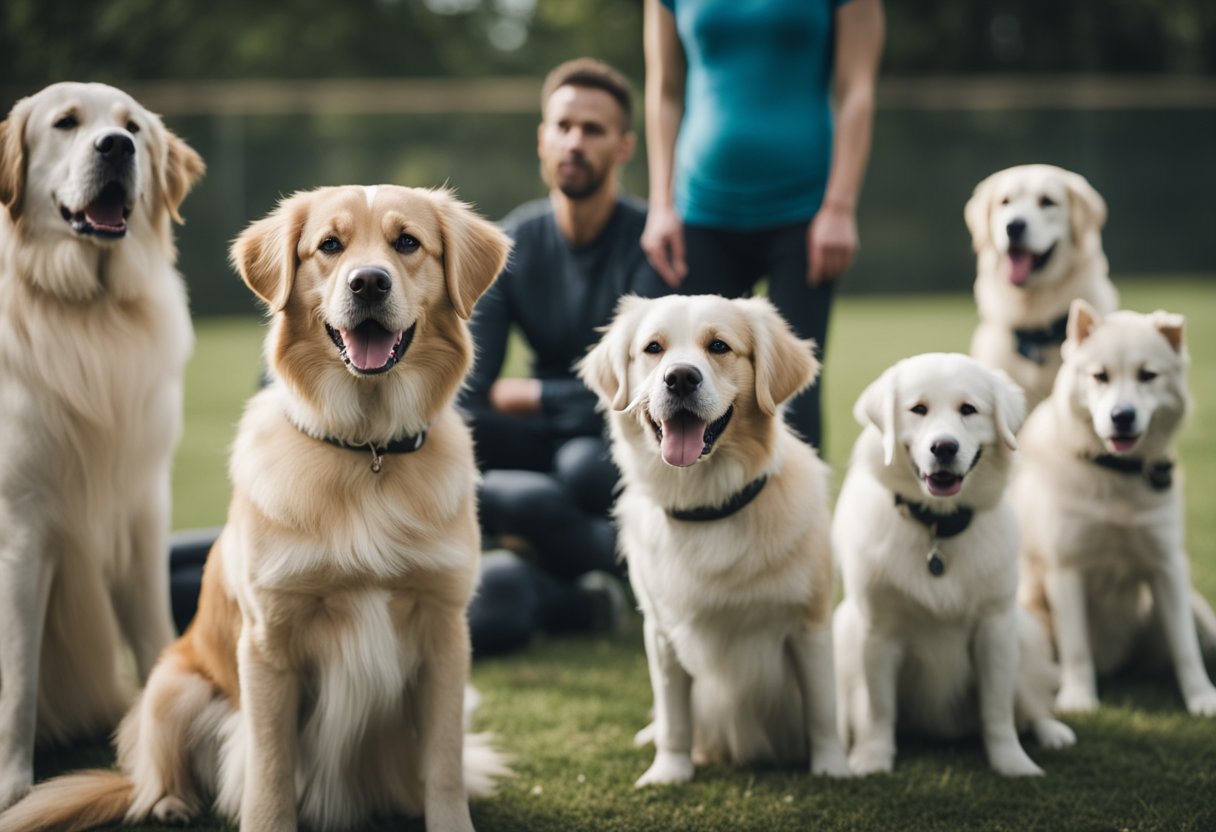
724, 522
1101, 508
927, 637
1036, 231
94, 338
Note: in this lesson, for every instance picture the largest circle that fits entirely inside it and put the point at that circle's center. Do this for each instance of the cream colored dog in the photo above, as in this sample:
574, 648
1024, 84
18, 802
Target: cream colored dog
1036, 231
724, 522
322, 681
1101, 508
929, 638
94, 337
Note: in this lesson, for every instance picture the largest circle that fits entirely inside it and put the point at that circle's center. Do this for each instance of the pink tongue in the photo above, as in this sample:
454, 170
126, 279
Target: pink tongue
105, 213
369, 346
683, 439
1020, 263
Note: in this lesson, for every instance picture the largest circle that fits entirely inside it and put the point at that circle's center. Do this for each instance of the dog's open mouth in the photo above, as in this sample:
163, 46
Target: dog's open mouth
1023, 263
685, 437
369, 348
943, 483
1122, 443
105, 216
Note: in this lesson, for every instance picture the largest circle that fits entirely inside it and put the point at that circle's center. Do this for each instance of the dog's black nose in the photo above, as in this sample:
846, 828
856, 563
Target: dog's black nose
114, 147
944, 449
682, 379
370, 283
1123, 416
1016, 229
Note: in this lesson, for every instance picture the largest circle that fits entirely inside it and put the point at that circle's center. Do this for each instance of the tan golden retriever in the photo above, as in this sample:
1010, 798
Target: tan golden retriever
322, 681
929, 636
94, 338
1037, 235
1101, 509
724, 522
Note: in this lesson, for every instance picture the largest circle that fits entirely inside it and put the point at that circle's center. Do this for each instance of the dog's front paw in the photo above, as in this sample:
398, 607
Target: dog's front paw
1204, 704
172, 811
830, 762
1076, 699
1012, 761
873, 758
15, 783
668, 767
1053, 734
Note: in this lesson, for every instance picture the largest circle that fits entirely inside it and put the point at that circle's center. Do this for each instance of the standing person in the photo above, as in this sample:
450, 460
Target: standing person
750, 174
548, 479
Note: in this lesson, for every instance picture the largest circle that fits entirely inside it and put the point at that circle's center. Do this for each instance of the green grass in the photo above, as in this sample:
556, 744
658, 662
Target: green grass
566, 709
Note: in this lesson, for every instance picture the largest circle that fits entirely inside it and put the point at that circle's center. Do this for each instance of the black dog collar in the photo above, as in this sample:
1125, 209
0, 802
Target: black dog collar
1159, 475
404, 445
940, 526
1029, 343
734, 504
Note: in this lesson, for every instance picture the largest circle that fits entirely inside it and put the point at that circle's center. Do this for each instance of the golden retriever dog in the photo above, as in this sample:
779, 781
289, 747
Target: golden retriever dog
1101, 509
94, 337
724, 523
1036, 231
929, 637
322, 681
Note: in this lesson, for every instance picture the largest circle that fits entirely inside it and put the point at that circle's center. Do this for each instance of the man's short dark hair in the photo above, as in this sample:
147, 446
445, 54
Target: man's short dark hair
588, 72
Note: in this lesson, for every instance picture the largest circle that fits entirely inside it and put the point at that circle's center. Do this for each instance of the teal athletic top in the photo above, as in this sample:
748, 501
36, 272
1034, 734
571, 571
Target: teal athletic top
755, 144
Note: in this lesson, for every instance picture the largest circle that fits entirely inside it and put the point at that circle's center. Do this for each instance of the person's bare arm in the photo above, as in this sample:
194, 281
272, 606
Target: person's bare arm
832, 238
663, 237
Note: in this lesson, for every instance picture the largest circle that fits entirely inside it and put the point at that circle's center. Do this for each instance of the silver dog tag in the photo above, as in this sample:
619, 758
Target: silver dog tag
936, 565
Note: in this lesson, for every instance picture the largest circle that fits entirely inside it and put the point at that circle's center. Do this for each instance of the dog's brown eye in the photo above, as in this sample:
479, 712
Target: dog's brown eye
1146, 375
654, 347
1102, 377
406, 244
718, 346
1005, 201
920, 409
966, 409
132, 127
330, 245
67, 122
1046, 202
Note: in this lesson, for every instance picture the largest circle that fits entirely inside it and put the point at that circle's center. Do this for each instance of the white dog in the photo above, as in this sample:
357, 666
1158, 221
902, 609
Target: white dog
1036, 231
724, 522
927, 637
94, 337
1101, 508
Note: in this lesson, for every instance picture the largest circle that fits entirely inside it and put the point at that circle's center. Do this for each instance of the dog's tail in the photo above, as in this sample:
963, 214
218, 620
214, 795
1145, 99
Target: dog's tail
72, 803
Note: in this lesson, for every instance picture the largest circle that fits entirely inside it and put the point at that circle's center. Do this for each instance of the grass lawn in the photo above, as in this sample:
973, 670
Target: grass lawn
567, 708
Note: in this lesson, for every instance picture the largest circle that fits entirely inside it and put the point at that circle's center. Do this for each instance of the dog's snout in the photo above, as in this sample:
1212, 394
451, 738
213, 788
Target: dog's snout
682, 379
1016, 229
370, 283
944, 449
1123, 416
114, 147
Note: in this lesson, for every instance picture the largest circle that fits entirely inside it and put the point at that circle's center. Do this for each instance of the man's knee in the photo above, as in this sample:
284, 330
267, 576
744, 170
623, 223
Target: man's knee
585, 469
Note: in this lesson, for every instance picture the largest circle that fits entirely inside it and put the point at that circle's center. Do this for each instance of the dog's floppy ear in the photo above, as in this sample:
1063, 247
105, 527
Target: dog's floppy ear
876, 406
1009, 407
1086, 209
474, 252
1082, 318
12, 159
784, 364
181, 168
1170, 325
605, 368
977, 213
266, 252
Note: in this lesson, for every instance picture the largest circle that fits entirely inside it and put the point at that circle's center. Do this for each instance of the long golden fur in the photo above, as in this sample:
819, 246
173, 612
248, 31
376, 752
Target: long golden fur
322, 681
737, 609
94, 338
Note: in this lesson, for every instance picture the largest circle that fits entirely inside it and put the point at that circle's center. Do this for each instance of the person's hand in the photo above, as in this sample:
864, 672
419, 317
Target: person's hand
663, 242
516, 396
831, 243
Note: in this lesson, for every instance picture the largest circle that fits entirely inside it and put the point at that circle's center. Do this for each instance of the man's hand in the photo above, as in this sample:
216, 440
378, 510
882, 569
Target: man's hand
663, 242
516, 396
831, 243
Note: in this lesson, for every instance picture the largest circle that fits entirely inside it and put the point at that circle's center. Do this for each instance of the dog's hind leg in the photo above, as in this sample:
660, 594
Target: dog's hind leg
1205, 625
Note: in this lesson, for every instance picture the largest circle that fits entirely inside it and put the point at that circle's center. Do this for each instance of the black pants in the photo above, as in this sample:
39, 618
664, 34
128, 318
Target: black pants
730, 263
